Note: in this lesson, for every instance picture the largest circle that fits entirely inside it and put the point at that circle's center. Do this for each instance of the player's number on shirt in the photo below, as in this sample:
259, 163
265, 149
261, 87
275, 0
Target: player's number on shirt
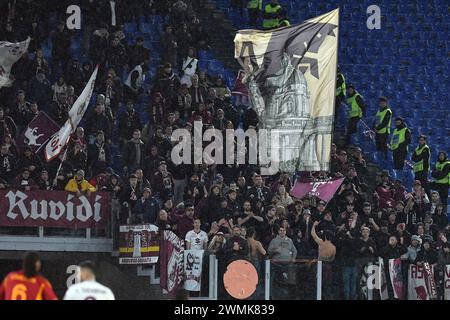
19, 292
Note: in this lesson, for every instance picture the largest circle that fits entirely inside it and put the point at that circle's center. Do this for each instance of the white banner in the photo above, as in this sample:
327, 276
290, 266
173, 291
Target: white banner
373, 280
447, 282
10, 53
76, 113
193, 261
417, 283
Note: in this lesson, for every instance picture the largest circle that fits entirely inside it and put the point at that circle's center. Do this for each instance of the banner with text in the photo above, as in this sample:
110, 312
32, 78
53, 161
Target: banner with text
54, 209
139, 244
420, 283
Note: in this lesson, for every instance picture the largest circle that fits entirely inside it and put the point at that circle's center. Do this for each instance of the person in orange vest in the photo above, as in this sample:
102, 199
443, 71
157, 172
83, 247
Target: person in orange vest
27, 284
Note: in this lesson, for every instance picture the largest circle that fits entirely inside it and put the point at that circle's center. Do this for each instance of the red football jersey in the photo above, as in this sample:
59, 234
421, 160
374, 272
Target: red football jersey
16, 286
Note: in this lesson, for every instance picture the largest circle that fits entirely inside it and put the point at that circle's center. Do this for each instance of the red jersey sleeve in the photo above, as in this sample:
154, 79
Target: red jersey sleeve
48, 293
2, 289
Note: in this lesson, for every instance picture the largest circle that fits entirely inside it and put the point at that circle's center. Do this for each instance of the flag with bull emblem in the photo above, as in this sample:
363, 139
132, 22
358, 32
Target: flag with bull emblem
38, 132
324, 190
10, 53
291, 77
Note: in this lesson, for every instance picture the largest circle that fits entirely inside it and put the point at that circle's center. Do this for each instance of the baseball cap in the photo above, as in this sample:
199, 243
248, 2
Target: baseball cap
322, 203
367, 204
147, 190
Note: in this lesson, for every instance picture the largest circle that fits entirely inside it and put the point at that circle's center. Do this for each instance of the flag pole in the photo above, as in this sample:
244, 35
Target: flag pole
59, 169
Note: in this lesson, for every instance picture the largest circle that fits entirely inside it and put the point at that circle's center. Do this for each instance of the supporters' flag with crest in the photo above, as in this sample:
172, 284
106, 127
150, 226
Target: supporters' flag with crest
291, 77
10, 53
38, 132
324, 190
171, 257
60, 139
139, 244
395, 273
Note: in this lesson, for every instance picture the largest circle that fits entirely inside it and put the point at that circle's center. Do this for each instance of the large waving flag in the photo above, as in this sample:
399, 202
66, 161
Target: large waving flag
60, 139
291, 77
10, 53
171, 257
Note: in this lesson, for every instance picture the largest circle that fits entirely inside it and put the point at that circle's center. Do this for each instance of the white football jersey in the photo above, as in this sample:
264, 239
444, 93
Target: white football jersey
89, 290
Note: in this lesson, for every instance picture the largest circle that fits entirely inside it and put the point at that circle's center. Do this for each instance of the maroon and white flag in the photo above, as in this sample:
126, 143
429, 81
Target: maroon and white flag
60, 139
324, 190
419, 283
395, 273
54, 209
171, 257
38, 132
447, 282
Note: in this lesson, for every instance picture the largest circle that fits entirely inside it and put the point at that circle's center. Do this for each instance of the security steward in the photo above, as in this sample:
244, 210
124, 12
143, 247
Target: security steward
357, 110
400, 140
421, 159
382, 126
441, 175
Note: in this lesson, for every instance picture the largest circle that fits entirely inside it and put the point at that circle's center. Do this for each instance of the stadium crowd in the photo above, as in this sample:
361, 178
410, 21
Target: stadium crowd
229, 210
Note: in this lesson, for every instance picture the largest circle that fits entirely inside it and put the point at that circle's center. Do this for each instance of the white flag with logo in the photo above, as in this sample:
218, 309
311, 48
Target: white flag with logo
76, 113
10, 53
193, 261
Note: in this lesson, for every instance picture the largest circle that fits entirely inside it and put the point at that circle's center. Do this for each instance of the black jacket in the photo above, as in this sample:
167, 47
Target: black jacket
430, 256
129, 153
129, 122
